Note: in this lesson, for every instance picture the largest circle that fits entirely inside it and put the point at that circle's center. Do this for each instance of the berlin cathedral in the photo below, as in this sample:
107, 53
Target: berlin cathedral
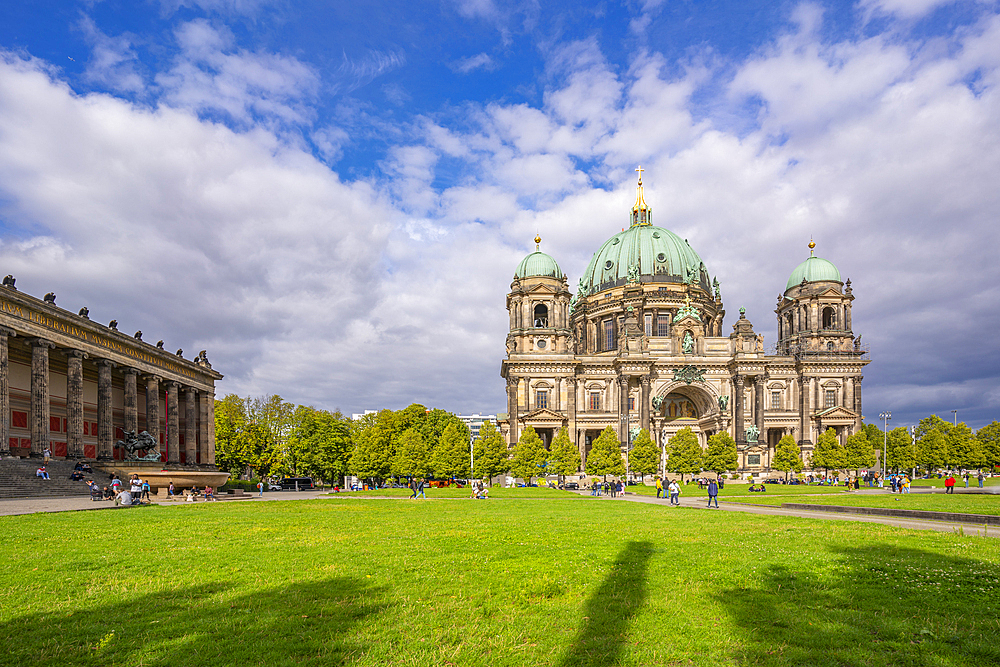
642, 345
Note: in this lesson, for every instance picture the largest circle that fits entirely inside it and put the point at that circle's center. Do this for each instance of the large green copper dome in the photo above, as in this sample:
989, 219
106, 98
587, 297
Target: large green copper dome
814, 269
657, 254
538, 264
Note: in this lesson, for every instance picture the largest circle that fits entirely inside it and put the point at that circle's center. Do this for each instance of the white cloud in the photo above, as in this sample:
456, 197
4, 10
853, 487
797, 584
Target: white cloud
479, 61
113, 61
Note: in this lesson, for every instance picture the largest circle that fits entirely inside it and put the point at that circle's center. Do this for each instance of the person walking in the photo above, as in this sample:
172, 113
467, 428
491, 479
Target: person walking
170, 491
980, 478
260, 489
905, 484
713, 493
420, 489
659, 487
145, 491
46, 453
674, 489
966, 477
413, 489
949, 484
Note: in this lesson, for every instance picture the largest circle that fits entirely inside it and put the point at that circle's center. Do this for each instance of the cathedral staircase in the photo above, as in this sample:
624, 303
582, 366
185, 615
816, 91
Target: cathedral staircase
17, 480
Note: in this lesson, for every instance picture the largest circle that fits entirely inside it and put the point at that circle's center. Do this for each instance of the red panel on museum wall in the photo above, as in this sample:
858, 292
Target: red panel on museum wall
65, 426
19, 419
161, 438
180, 438
12, 442
183, 457
93, 428
119, 432
54, 424
58, 449
90, 451
86, 428
117, 454
163, 457
26, 442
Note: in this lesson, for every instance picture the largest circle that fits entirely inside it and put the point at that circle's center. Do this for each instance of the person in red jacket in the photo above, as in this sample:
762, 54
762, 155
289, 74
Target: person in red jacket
949, 484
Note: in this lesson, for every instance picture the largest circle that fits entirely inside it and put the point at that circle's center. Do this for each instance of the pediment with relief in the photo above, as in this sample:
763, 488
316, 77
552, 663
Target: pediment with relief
543, 415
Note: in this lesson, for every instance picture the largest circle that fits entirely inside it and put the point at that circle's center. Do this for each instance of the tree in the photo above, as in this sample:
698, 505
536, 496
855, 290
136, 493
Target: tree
989, 443
932, 449
964, 449
450, 457
564, 457
932, 423
828, 454
528, 457
787, 456
721, 456
684, 454
490, 452
858, 453
900, 454
645, 456
605, 457
412, 455
373, 446
875, 437
320, 442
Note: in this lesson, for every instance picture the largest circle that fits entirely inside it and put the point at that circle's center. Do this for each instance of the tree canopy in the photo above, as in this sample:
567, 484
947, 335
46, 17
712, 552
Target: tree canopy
900, 453
528, 458
828, 454
858, 452
564, 457
721, 456
684, 455
787, 456
605, 457
490, 452
644, 458
450, 456
989, 443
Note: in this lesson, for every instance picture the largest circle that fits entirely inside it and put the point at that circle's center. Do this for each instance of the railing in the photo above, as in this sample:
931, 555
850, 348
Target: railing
792, 350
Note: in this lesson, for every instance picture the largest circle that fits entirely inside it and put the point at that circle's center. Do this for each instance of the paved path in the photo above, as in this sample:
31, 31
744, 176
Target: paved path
34, 505
916, 524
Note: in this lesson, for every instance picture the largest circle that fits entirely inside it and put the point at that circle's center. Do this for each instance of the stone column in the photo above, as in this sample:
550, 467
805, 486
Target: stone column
738, 396
210, 400
190, 424
557, 399
512, 409
644, 402
105, 429
40, 395
5, 392
153, 407
805, 437
203, 426
857, 401
173, 425
74, 403
130, 410
623, 411
571, 413
760, 384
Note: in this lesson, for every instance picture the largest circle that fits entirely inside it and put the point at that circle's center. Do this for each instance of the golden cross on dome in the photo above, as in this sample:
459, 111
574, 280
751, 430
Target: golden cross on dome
640, 174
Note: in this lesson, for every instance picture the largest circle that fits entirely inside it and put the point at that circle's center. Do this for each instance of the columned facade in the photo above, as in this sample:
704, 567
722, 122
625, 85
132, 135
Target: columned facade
70, 385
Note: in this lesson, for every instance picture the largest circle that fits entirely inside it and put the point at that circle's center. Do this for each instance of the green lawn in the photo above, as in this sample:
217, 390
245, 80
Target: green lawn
959, 482
451, 492
542, 581
937, 502
743, 490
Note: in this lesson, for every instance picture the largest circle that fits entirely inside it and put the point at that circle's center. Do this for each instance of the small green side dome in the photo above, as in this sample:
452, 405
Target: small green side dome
538, 264
814, 269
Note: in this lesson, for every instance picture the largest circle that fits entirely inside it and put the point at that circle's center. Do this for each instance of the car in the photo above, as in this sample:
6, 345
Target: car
571, 486
271, 486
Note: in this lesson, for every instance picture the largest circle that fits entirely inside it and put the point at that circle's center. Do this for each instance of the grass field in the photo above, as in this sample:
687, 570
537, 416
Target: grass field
937, 502
959, 482
743, 490
543, 581
451, 492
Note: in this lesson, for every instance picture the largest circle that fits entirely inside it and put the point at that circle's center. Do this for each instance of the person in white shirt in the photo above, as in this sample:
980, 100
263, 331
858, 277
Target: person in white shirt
675, 492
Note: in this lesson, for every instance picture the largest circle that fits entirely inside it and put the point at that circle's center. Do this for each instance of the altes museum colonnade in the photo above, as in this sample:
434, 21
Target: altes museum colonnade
75, 387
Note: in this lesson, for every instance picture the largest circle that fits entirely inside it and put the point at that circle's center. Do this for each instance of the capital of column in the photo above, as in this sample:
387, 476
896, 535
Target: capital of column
645, 380
623, 380
4, 331
77, 354
128, 370
106, 363
739, 380
41, 342
172, 383
152, 378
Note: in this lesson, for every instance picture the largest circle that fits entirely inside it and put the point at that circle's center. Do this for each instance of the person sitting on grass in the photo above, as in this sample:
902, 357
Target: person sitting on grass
123, 498
108, 493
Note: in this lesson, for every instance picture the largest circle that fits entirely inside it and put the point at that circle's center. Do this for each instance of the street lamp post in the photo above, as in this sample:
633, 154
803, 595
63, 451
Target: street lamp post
885, 417
954, 414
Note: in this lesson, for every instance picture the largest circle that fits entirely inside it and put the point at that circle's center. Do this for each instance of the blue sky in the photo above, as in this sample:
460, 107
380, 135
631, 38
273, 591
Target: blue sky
331, 197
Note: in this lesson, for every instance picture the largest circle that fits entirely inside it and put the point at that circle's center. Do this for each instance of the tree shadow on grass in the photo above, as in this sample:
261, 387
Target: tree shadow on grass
306, 623
879, 605
609, 611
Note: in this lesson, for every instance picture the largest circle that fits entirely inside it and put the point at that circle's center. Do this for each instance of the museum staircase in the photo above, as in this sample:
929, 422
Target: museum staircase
18, 480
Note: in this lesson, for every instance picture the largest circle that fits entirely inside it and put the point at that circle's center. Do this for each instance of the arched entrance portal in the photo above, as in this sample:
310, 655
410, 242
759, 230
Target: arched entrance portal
683, 405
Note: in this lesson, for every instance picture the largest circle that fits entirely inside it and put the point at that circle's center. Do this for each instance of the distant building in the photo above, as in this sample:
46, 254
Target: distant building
358, 415
642, 345
475, 422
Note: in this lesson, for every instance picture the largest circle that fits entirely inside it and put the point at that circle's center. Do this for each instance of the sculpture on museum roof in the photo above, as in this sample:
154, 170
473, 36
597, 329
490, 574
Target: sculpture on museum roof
138, 335
687, 310
159, 344
85, 312
9, 281
50, 298
113, 325
180, 352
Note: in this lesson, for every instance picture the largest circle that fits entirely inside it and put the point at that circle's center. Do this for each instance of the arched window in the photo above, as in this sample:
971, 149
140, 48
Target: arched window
789, 329
829, 318
829, 346
541, 316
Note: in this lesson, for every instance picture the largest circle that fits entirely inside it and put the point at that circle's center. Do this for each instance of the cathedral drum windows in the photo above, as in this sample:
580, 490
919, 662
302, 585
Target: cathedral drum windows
829, 318
541, 318
541, 399
594, 401
775, 400
830, 398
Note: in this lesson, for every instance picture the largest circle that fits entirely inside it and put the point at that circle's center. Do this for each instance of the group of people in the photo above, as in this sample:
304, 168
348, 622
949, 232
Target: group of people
612, 488
417, 487
479, 490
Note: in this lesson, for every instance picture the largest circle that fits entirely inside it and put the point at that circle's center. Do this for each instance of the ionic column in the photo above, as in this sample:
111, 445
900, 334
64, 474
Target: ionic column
190, 423
644, 402
203, 426
5, 392
153, 408
805, 437
623, 410
105, 429
557, 399
210, 400
74, 402
760, 383
130, 410
857, 400
571, 412
40, 395
173, 425
738, 395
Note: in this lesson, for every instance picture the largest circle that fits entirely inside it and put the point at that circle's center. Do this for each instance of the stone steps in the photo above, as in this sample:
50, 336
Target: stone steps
18, 480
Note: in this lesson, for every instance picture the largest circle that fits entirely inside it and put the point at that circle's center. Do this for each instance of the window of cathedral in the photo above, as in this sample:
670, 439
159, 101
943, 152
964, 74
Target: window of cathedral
663, 324
831, 398
541, 316
609, 335
649, 324
541, 399
829, 318
631, 403
595, 400
775, 400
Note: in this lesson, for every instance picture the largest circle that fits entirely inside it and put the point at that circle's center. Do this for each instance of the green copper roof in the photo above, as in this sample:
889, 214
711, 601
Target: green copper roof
538, 264
653, 251
814, 269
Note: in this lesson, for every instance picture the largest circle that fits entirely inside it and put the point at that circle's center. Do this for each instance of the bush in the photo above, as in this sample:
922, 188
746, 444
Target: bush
245, 484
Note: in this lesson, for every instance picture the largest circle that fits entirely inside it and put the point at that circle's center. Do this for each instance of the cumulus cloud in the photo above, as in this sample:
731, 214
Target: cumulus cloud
113, 61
